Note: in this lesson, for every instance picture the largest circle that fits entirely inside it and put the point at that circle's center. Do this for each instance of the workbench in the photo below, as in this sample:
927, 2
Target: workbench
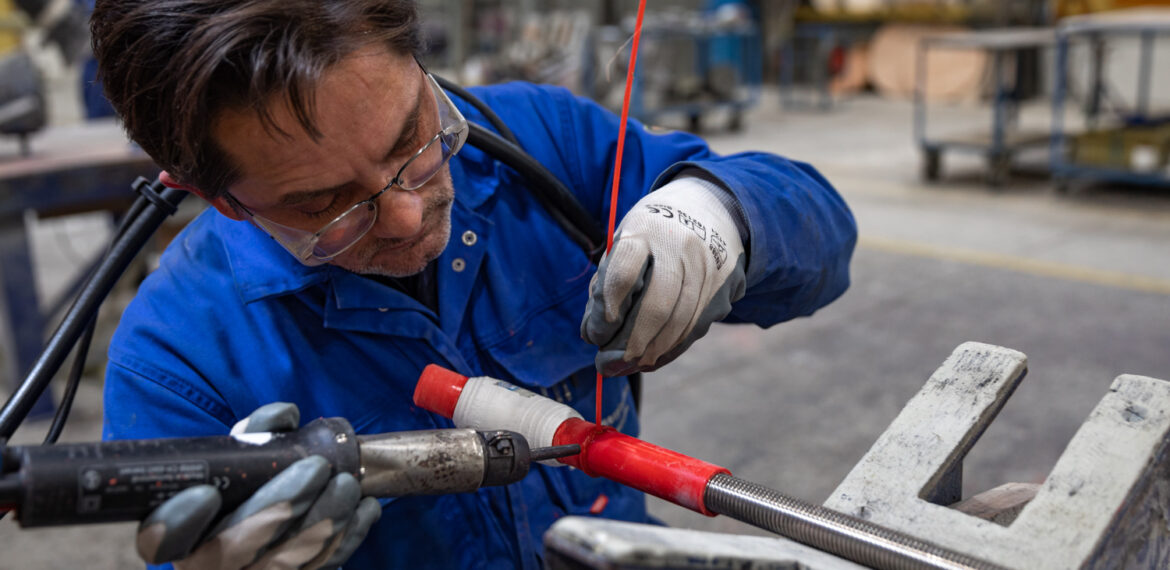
72, 169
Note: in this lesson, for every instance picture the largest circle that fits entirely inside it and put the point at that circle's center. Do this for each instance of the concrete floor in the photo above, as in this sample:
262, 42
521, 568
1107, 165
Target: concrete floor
1080, 283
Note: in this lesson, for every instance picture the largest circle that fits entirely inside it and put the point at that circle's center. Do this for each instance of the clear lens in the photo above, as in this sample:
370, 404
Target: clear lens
423, 166
346, 229
441, 148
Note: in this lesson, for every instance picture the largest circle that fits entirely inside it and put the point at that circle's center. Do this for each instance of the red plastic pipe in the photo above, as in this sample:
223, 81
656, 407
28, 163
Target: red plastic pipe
609, 453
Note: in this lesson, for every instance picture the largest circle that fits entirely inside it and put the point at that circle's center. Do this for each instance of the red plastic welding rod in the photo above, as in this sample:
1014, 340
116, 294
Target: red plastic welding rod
668, 475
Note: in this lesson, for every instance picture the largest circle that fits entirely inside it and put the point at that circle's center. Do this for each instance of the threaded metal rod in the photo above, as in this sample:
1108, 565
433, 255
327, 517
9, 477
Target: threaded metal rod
833, 532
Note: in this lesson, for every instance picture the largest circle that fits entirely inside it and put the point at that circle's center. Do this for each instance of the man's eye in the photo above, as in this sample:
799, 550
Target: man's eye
319, 208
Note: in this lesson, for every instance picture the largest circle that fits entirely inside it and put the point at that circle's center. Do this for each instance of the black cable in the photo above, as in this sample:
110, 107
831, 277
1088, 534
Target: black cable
11, 492
487, 112
552, 194
82, 352
122, 252
548, 189
71, 386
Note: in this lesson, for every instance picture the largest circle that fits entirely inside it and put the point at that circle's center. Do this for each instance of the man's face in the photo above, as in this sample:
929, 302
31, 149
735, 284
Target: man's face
374, 110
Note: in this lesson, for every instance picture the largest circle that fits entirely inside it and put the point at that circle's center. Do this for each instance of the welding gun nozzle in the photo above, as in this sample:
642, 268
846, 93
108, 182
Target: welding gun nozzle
554, 452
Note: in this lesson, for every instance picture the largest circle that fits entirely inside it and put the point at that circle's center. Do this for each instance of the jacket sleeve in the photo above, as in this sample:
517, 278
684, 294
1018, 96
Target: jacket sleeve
801, 234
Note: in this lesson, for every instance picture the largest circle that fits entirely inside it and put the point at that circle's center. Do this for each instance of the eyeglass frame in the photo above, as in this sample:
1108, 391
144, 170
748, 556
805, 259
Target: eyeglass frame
304, 250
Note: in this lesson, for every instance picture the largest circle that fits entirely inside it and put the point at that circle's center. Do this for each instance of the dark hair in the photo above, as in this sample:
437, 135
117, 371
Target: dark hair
169, 67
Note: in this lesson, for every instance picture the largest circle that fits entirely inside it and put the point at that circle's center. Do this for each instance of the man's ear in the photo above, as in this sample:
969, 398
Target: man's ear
220, 203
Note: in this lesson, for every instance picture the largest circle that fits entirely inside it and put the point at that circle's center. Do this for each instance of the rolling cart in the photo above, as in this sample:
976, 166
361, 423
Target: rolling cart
1005, 138
1124, 141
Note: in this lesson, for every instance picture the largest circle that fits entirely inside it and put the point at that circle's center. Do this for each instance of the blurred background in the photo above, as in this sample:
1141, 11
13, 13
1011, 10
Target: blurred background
1008, 162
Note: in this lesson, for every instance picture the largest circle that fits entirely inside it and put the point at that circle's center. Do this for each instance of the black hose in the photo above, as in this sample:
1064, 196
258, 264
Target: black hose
487, 112
83, 310
82, 353
552, 194
548, 189
11, 492
71, 386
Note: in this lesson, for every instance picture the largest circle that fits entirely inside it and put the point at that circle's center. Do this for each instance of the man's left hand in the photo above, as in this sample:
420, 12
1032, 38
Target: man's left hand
676, 265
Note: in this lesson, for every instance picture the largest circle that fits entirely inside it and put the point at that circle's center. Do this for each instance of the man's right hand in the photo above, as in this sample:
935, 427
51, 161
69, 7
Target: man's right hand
302, 518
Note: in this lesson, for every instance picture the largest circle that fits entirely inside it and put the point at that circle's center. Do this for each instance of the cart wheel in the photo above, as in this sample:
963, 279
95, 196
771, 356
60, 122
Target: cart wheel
998, 167
735, 124
695, 123
931, 164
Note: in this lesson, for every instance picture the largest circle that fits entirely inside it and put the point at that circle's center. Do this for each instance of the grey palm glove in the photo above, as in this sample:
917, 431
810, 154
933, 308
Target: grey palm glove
302, 518
676, 265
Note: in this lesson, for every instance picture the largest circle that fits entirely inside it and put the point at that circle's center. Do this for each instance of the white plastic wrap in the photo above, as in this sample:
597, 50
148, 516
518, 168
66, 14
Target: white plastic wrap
487, 404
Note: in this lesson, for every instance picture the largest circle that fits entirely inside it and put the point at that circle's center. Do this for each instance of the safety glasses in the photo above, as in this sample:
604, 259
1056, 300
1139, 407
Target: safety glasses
321, 246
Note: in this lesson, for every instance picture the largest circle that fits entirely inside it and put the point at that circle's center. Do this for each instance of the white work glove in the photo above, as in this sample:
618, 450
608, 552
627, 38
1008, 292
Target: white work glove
676, 265
302, 518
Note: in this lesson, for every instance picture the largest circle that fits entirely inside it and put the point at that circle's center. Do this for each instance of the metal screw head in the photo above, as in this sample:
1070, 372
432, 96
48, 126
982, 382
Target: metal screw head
503, 445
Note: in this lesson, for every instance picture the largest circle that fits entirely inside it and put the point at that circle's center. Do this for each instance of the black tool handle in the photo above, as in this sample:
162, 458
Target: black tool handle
112, 481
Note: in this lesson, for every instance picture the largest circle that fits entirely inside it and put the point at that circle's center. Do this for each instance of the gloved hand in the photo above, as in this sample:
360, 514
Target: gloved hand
676, 265
302, 518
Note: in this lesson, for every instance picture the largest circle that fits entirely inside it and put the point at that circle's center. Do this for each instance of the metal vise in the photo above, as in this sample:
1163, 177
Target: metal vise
1105, 504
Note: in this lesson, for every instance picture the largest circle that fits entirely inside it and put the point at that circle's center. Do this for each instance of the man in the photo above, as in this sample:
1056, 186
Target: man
353, 241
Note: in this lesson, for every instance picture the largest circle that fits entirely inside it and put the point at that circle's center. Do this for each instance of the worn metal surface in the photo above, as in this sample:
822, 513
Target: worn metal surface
848, 537
1103, 506
576, 542
421, 462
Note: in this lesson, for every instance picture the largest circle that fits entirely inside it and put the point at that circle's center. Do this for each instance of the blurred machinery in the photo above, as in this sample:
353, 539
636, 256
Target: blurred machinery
1126, 136
22, 98
22, 92
23, 107
692, 64
830, 51
697, 58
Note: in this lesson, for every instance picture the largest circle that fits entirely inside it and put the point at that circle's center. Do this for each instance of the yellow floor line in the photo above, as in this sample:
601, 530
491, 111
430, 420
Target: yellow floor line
1019, 264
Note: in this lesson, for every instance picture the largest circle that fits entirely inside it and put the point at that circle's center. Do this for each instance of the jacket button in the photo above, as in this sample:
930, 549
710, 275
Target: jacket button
458, 264
469, 238
383, 309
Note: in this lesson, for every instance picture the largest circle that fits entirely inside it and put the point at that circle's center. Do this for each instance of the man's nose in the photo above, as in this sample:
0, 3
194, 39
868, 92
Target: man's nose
400, 214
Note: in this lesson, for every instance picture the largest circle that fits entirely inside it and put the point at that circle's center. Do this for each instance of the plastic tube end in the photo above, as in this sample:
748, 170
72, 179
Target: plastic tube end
438, 390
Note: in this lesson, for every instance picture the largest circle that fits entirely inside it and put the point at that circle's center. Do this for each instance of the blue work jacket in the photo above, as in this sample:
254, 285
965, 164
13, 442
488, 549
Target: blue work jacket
230, 321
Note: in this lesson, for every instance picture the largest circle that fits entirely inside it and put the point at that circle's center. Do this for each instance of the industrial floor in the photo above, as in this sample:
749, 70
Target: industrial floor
1079, 282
